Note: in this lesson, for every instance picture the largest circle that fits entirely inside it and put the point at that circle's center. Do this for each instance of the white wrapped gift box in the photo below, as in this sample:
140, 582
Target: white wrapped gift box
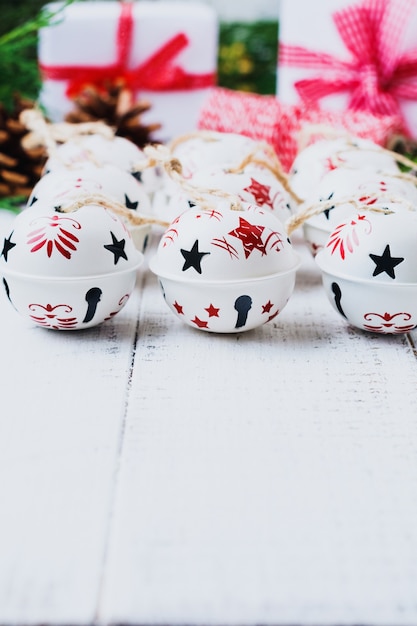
166, 52
360, 54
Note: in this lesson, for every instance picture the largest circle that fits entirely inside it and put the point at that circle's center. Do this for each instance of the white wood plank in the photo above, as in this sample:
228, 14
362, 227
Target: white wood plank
267, 477
63, 398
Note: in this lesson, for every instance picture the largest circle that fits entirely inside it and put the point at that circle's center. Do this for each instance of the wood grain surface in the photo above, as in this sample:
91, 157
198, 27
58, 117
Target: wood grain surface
152, 473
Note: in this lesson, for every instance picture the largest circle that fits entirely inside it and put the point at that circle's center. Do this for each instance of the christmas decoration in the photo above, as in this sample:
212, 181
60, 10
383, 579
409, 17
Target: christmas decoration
65, 185
341, 190
266, 118
209, 148
237, 164
18, 61
68, 271
334, 176
102, 150
253, 184
325, 155
116, 107
369, 268
224, 268
163, 52
20, 165
96, 164
366, 60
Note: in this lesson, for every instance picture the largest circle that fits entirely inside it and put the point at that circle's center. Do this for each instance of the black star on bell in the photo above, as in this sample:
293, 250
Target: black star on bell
129, 204
7, 246
327, 211
193, 258
385, 262
137, 175
117, 248
33, 200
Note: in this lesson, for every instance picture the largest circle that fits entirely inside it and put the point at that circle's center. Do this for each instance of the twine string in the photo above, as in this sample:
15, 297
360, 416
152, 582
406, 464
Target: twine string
327, 132
399, 158
252, 158
51, 135
275, 169
158, 154
316, 208
40, 132
134, 218
323, 130
206, 136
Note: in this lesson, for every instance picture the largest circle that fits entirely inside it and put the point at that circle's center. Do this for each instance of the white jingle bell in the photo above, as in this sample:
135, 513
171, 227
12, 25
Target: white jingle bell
212, 148
100, 150
340, 191
63, 186
369, 268
68, 270
225, 270
254, 185
325, 155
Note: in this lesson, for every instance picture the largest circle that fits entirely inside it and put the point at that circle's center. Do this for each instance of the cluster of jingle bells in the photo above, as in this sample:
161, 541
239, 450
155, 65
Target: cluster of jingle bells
359, 218
224, 261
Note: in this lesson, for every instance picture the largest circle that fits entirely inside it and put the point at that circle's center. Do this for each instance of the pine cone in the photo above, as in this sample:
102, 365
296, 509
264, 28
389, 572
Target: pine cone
115, 107
20, 167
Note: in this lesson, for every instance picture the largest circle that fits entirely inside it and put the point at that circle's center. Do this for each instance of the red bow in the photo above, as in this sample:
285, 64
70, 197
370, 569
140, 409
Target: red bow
157, 73
378, 75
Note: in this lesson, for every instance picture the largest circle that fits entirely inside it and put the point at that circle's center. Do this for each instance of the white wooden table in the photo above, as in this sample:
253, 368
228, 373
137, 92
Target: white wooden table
156, 474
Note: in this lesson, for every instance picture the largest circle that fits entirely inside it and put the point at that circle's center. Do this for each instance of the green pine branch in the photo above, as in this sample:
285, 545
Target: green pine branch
247, 59
19, 72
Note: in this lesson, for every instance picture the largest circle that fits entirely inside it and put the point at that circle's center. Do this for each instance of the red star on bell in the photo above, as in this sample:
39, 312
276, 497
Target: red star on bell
200, 323
260, 193
250, 236
267, 307
178, 308
212, 311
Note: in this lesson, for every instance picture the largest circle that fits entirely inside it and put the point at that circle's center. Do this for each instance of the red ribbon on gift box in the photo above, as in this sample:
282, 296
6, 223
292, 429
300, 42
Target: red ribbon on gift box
378, 75
157, 73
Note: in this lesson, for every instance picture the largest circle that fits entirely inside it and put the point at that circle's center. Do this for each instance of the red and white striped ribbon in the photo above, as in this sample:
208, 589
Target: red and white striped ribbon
378, 73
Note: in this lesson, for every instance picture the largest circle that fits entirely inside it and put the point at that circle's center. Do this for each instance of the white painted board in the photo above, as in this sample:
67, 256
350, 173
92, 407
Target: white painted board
152, 473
